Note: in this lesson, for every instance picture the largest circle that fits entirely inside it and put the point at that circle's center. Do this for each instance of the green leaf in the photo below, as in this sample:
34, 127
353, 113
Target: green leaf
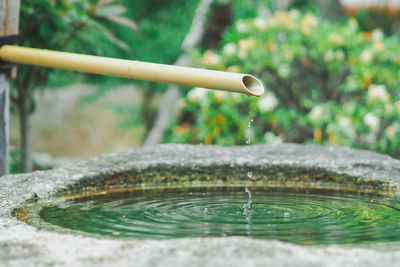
123, 21
110, 10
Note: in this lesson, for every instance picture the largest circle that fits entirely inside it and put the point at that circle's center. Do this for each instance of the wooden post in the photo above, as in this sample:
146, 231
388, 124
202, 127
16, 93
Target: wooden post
9, 19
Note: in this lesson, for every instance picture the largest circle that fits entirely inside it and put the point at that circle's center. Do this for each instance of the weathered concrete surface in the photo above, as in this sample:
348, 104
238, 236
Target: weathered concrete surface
24, 245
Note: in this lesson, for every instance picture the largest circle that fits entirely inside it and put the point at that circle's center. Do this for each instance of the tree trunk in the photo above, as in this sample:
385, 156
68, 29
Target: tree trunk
9, 19
167, 106
281, 4
25, 132
148, 111
220, 19
4, 124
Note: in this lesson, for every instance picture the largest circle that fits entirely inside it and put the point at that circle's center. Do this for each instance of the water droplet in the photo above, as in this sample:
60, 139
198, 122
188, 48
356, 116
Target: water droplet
269, 212
246, 189
286, 214
205, 210
249, 174
251, 120
247, 208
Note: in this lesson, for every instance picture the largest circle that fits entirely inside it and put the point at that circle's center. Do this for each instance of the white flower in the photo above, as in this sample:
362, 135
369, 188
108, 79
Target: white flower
366, 56
349, 107
345, 124
241, 26
316, 114
181, 103
329, 56
389, 108
288, 56
335, 38
294, 14
267, 103
396, 126
271, 138
260, 23
216, 59
378, 92
233, 68
230, 49
247, 44
392, 130
311, 19
284, 70
377, 35
339, 55
220, 95
244, 46
197, 94
372, 121
211, 59
353, 23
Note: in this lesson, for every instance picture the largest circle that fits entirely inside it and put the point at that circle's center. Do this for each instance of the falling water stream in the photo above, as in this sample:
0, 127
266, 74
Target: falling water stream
248, 208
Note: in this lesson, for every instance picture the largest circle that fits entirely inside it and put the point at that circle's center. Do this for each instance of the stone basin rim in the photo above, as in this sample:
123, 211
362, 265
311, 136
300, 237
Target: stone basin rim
39, 248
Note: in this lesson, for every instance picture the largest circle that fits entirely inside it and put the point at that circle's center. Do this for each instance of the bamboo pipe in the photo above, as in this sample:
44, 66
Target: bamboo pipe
220, 80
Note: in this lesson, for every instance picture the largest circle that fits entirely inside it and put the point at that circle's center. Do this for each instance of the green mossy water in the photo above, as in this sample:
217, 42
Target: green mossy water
298, 216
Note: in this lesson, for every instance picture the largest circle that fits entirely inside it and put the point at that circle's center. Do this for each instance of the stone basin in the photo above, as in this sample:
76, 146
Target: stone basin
288, 165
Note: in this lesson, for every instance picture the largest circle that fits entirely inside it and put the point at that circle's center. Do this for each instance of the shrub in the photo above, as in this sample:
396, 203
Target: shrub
327, 83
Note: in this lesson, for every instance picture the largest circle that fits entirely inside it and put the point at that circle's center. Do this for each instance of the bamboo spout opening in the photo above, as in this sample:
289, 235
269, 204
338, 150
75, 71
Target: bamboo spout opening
252, 85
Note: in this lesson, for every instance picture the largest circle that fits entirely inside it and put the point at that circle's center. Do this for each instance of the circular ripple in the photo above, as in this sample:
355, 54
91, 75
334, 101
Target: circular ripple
294, 216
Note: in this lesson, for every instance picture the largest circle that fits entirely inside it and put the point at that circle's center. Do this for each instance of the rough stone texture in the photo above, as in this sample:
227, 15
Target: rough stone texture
24, 245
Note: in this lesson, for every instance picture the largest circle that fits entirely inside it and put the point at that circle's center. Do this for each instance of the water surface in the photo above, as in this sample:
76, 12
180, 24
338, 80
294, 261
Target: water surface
297, 216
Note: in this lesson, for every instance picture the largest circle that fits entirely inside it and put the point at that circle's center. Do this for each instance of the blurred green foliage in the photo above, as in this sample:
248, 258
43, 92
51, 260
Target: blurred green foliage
327, 83
70, 25
162, 26
140, 30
